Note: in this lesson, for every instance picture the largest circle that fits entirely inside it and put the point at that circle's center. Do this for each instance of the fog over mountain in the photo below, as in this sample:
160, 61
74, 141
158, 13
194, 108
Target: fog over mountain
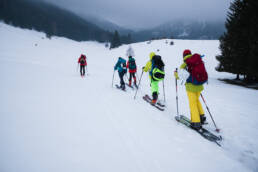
144, 14
135, 21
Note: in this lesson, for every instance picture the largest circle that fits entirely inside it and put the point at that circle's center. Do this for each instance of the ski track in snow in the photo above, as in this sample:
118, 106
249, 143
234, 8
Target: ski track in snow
51, 119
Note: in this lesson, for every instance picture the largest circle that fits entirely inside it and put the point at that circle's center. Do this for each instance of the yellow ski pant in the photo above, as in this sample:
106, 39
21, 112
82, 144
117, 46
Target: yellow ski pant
195, 106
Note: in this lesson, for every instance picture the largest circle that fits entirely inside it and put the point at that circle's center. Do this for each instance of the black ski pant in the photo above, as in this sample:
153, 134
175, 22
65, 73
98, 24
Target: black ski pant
121, 76
82, 70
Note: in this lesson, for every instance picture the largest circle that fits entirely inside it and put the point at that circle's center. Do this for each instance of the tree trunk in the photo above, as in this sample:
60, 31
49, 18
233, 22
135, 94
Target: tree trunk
248, 79
237, 77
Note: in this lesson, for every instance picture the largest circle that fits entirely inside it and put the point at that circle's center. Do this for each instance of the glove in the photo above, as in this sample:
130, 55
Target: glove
176, 75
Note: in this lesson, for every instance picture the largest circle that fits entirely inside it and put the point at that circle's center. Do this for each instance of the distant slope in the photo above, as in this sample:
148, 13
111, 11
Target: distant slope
125, 34
50, 19
109, 26
183, 30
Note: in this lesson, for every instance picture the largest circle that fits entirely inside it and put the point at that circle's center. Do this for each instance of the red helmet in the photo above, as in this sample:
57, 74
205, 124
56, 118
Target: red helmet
186, 52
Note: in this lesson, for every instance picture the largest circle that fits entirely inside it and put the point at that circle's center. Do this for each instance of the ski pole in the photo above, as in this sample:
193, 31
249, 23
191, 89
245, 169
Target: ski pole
176, 96
137, 77
217, 130
113, 78
164, 91
87, 71
138, 85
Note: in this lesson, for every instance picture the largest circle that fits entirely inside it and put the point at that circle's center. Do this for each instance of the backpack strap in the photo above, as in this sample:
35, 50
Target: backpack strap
158, 74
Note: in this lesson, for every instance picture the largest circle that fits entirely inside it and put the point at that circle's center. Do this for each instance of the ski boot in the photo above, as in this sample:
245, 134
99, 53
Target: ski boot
153, 102
203, 119
154, 98
196, 125
122, 87
130, 83
134, 81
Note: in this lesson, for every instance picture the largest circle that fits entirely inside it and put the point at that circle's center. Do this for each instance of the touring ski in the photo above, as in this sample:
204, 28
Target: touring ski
155, 105
203, 132
158, 103
118, 87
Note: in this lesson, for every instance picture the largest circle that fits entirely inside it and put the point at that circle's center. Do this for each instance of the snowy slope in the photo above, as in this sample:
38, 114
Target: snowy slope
52, 120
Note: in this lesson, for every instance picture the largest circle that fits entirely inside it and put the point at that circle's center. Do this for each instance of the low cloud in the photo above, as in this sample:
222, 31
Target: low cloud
146, 13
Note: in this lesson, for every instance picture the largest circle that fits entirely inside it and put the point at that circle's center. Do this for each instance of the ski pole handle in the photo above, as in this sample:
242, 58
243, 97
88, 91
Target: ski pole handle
176, 80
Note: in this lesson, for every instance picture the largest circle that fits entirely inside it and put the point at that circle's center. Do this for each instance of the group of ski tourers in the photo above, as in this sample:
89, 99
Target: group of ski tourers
122, 66
192, 68
192, 71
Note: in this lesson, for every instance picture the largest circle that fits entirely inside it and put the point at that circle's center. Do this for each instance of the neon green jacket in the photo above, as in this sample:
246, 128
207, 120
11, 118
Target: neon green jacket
147, 67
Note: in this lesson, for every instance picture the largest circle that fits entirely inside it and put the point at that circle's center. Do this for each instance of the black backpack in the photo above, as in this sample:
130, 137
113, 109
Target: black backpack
82, 60
157, 68
157, 62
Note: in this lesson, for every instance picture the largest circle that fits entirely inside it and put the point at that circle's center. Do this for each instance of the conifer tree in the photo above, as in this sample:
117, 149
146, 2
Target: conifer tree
116, 40
252, 58
129, 38
239, 44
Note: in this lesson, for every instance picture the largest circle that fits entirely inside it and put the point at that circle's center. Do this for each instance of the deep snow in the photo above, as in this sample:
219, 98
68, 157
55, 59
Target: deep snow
52, 120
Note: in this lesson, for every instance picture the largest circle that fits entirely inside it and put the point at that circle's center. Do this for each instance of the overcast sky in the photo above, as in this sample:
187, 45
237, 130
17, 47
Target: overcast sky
147, 13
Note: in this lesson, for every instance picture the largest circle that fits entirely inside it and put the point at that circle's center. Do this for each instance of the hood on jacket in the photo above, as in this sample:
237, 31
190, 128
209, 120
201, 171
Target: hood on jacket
121, 60
151, 55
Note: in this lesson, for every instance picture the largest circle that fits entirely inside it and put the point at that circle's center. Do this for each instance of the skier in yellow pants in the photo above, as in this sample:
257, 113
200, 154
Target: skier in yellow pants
193, 93
195, 106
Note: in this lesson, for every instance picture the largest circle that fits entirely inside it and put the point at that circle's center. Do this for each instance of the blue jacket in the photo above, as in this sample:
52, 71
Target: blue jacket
121, 65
